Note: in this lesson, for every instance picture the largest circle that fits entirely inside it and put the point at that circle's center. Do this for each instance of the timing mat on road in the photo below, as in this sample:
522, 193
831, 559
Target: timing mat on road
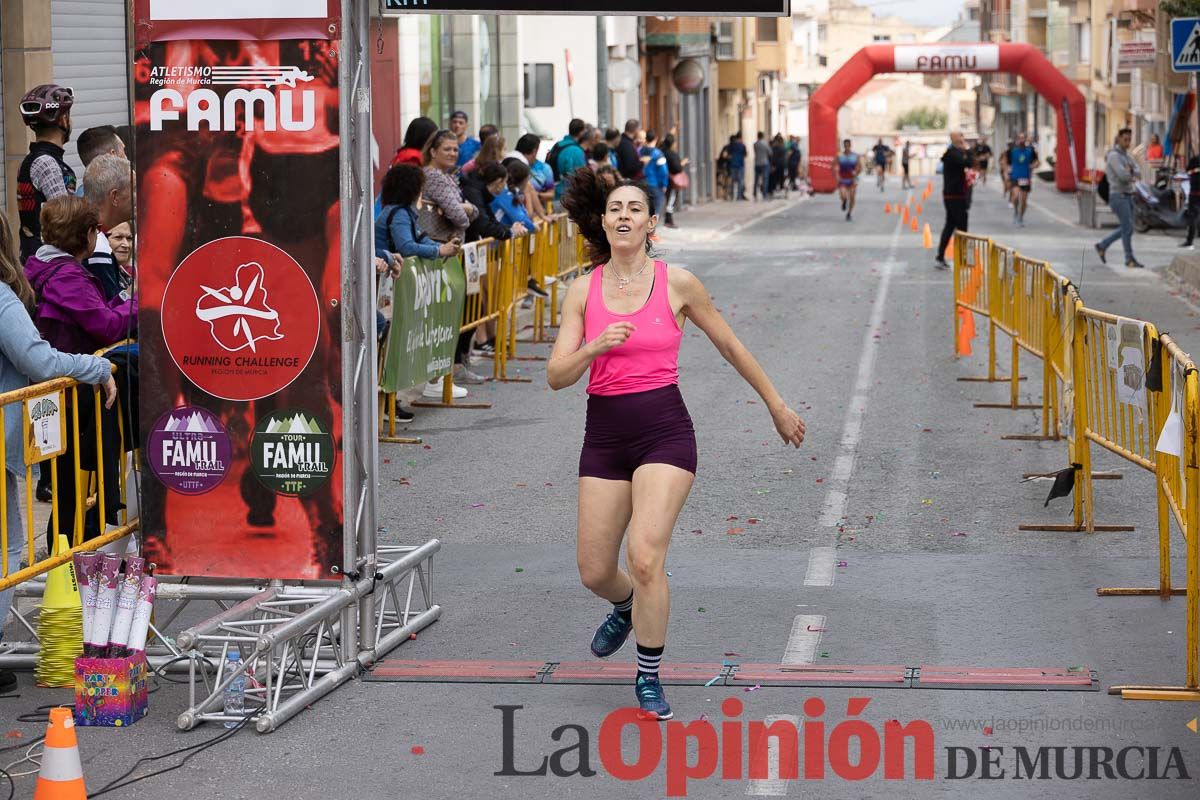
730, 673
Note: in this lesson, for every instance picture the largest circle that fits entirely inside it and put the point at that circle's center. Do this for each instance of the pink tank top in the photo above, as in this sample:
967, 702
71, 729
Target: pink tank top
649, 358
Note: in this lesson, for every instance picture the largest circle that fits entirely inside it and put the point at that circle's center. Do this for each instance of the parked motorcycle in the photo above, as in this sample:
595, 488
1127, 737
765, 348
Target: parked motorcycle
1162, 204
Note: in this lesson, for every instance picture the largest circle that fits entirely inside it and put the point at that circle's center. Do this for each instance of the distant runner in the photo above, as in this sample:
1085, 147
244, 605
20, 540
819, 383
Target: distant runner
882, 152
847, 167
1022, 160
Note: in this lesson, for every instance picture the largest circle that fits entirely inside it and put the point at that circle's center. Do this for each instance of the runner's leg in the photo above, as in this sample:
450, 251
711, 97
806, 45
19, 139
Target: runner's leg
605, 507
659, 492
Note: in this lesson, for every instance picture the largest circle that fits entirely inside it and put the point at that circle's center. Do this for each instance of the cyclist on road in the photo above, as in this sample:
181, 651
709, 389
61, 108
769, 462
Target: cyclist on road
623, 323
847, 167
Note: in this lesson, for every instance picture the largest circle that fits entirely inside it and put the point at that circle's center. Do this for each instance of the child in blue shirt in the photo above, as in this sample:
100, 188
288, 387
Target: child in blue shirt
508, 206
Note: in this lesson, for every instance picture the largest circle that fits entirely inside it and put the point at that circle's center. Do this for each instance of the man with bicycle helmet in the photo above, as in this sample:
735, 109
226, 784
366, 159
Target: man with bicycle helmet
43, 175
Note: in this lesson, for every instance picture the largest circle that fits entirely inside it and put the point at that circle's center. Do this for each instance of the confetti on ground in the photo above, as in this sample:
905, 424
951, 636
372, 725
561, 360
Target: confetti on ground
788, 471
926, 430
697, 530
412, 463
428, 447
733, 654
762, 491
735, 531
403, 481
843, 564
927, 502
713, 680
13, 735
958, 533
824, 654
731, 518
754, 520
987, 731
701, 609
753, 688
520, 569
418, 751
476, 505
521, 485
820, 480
387, 461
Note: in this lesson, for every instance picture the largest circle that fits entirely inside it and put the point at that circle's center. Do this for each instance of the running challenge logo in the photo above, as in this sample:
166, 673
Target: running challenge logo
240, 318
262, 95
732, 749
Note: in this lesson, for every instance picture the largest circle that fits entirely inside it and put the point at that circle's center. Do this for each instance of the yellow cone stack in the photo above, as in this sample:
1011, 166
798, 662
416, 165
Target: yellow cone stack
60, 625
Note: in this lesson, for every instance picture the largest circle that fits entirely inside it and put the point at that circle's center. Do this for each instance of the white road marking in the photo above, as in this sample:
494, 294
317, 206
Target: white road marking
806, 270
835, 496
821, 562
727, 269
801, 649
773, 786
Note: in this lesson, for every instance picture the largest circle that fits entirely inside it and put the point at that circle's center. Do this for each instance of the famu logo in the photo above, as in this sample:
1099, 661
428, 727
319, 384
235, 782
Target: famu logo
189, 450
292, 452
266, 104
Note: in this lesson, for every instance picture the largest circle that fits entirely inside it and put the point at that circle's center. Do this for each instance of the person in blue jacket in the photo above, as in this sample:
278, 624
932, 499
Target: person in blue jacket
655, 173
508, 206
567, 156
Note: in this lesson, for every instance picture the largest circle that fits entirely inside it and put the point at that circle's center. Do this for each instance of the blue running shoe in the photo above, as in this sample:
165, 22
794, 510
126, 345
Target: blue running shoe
611, 635
651, 699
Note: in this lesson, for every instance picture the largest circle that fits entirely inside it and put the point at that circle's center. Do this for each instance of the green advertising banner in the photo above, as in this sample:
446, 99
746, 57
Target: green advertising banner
427, 309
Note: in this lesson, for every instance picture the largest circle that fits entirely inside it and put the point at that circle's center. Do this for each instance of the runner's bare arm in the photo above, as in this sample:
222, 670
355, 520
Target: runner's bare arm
568, 361
699, 308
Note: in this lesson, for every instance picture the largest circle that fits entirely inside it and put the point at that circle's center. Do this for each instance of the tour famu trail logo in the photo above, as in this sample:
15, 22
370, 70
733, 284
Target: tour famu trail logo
292, 452
238, 315
189, 450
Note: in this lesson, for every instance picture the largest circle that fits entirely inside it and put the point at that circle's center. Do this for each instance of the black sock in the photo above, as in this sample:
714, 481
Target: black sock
625, 608
649, 659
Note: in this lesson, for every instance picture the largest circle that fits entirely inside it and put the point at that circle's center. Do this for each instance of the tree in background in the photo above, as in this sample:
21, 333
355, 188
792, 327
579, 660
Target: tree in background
924, 119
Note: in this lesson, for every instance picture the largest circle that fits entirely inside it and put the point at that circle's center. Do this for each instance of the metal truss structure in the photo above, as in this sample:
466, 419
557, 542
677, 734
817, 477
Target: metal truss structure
298, 642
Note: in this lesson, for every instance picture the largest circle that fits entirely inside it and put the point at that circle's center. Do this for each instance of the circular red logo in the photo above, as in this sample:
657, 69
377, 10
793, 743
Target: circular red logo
240, 318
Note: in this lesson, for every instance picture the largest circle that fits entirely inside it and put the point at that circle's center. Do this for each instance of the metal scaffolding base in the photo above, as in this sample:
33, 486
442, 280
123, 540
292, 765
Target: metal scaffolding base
290, 637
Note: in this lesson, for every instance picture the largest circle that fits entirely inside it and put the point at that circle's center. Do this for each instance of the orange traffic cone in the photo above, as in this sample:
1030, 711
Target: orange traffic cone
920, 209
914, 225
949, 254
61, 775
966, 331
887, 208
904, 215
927, 237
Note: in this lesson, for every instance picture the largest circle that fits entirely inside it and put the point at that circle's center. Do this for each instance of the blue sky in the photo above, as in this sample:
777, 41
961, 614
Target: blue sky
925, 12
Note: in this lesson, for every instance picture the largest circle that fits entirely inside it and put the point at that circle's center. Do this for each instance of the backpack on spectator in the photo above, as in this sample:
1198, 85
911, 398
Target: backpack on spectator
552, 157
1102, 187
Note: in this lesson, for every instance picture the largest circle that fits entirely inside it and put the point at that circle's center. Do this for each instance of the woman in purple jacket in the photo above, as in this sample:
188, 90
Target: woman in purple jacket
73, 316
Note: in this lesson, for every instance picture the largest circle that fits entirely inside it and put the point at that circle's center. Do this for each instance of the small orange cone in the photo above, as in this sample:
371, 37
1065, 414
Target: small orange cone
966, 331
927, 237
920, 209
949, 254
887, 208
61, 775
904, 215
914, 225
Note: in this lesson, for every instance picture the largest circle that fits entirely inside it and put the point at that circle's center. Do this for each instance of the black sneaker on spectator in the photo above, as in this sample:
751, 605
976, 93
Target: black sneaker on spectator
536, 290
1135, 264
44, 495
488, 348
403, 415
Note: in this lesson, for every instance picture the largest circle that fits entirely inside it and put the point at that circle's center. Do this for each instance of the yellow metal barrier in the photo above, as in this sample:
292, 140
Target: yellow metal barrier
58, 398
1110, 381
550, 255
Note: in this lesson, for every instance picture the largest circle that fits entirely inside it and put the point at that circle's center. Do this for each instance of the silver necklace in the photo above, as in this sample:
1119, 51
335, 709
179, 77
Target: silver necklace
623, 282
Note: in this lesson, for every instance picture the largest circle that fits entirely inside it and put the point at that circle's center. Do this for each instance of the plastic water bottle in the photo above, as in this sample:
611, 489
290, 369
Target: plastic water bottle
235, 692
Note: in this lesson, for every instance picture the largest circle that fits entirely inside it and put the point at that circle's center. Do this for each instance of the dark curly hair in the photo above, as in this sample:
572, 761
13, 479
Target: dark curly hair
402, 185
585, 200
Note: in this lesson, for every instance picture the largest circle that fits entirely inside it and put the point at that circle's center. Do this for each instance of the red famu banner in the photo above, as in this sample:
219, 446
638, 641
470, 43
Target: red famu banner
240, 284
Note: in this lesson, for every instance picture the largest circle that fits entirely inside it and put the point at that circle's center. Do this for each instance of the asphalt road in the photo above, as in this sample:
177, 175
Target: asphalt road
889, 538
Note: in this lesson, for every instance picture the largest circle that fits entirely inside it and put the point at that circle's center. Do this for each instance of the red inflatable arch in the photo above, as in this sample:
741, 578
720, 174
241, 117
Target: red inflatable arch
1023, 59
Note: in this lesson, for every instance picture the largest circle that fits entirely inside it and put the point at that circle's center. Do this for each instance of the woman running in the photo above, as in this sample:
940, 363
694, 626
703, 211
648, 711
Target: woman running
624, 320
